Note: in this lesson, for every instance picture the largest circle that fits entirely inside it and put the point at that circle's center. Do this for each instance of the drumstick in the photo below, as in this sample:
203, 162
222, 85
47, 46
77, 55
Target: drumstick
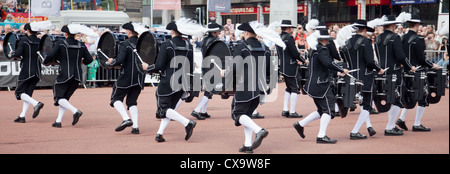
10, 49
137, 54
40, 56
218, 67
101, 52
353, 70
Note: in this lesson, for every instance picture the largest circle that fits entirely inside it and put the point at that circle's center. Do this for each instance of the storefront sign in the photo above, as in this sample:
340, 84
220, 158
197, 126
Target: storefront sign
223, 6
369, 2
254, 10
403, 2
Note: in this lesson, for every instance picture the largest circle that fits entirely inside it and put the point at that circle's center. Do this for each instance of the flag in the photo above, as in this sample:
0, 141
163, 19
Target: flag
45, 7
167, 4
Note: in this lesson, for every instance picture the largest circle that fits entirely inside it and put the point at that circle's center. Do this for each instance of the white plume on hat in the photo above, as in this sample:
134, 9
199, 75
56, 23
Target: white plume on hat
376, 22
139, 27
312, 24
344, 34
41, 26
403, 17
267, 33
312, 40
189, 27
78, 28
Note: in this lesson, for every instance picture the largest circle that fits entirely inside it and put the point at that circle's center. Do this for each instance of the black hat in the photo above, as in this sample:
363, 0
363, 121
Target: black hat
287, 24
214, 27
324, 35
361, 23
321, 26
415, 18
391, 20
128, 26
172, 26
246, 27
65, 29
27, 27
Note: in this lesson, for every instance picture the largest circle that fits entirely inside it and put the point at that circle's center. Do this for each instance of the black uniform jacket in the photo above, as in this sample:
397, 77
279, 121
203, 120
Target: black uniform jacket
166, 63
288, 57
320, 66
70, 59
30, 64
249, 56
388, 47
129, 74
362, 58
414, 47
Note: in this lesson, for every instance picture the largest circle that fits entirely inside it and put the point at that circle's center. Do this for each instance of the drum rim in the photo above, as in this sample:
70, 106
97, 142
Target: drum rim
5, 44
139, 43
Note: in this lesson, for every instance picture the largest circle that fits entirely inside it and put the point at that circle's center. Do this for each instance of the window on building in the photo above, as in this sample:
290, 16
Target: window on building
101, 5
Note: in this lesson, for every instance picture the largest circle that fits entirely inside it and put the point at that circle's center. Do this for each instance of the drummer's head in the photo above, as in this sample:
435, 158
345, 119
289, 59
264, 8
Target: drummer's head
27, 29
66, 32
129, 29
248, 30
174, 29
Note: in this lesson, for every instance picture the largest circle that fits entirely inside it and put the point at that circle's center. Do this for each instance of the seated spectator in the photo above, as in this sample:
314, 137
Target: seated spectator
9, 19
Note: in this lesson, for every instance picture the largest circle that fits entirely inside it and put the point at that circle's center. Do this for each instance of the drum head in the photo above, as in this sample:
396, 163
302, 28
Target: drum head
217, 49
11, 39
146, 47
46, 45
107, 44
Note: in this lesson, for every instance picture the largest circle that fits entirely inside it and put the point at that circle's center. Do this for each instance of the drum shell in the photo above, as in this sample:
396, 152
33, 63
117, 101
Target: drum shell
109, 45
218, 49
46, 45
13, 39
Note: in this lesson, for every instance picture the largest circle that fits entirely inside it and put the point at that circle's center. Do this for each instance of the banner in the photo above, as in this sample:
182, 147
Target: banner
223, 6
45, 8
23, 18
403, 2
167, 4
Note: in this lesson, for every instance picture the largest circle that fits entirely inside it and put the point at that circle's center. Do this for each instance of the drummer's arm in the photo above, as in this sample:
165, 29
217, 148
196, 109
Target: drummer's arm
160, 62
19, 50
87, 58
53, 54
121, 57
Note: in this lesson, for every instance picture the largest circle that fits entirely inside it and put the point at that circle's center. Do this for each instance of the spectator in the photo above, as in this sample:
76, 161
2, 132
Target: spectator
8, 29
92, 72
333, 34
400, 30
230, 25
443, 55
11, 9
431, 45
9, 19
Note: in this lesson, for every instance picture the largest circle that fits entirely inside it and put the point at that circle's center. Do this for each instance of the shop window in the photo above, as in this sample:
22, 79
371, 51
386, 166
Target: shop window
100, 5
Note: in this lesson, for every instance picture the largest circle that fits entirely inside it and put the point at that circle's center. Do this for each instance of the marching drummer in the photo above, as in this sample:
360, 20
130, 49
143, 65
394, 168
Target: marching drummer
214, 30
390, 54
130, 82
167, 97
70, 53
318, 87
361, 57
414, 48
30, 72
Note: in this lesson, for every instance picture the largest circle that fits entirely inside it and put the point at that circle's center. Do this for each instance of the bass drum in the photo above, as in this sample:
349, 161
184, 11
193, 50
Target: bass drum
46, 45
10, 42
385, 92
437, 80
146, 47
216, 55
108, 44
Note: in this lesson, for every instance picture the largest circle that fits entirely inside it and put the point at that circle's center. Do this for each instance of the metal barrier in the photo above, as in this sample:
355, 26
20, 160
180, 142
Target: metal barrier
434, 55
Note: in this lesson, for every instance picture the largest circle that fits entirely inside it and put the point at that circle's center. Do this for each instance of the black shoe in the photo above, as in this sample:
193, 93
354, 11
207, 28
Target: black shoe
420, 128
197, 115
19, 120
76, 117
285, 113
135, 131
124, 124
189, 129
37, 109
160, 138
206, 115
357, 136
393, 132
325, 140
259, 137
56, 124
335, 114
299, 129
401, 124
257, 116
294, 115
374, 112
246, 149
353, 108
371, 131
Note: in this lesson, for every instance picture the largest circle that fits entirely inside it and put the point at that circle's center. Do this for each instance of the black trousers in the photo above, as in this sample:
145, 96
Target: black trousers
132, 94
167, 102
367, 101
26, 86
65, 90
326, 104
293, 84
243, 108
